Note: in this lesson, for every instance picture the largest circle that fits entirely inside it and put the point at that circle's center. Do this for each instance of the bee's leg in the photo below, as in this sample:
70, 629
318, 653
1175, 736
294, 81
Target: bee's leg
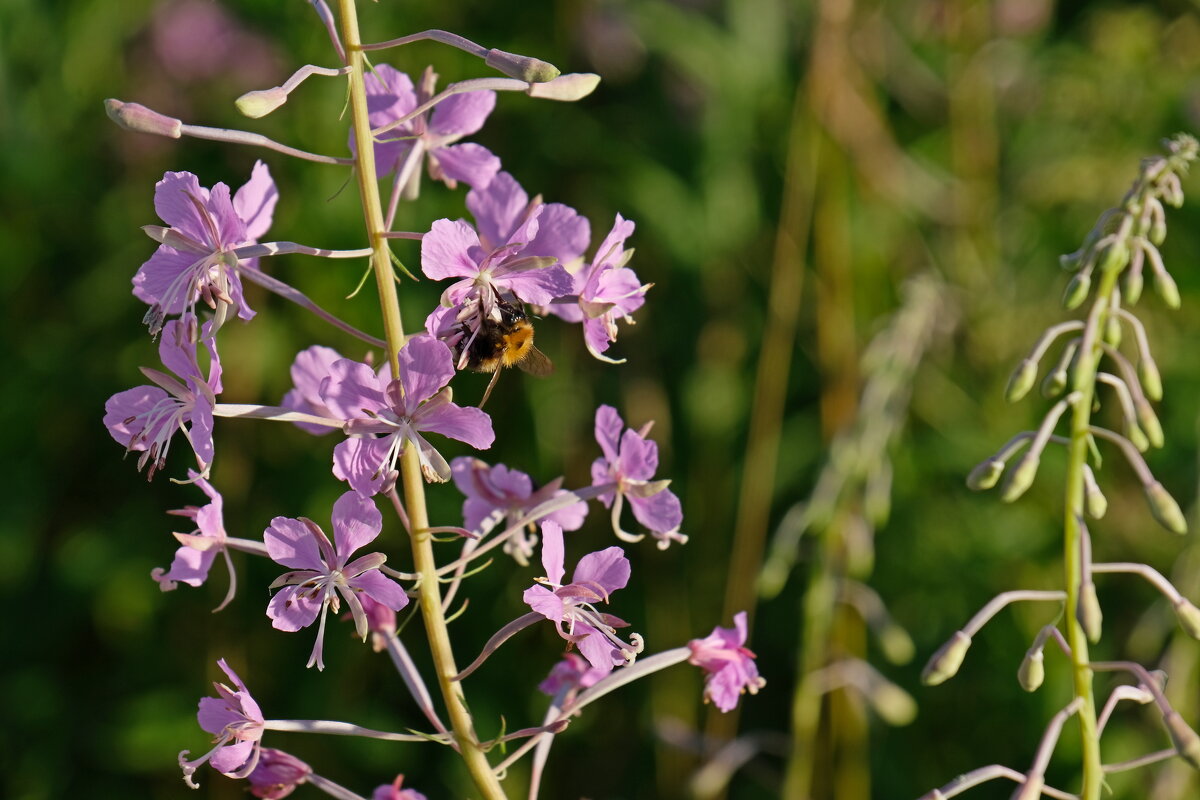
491, 384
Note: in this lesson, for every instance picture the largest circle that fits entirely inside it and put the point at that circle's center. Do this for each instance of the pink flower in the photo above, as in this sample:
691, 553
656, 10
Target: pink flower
277, 774
236, 722
728, 665
572, 606
323, 571
196, 258
392, 791
390, 96
146, 418
200, 547
630, 461
397, 412
569, 675
498, 494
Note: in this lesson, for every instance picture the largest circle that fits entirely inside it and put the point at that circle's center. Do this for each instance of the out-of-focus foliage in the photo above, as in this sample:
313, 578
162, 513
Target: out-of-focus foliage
977, 139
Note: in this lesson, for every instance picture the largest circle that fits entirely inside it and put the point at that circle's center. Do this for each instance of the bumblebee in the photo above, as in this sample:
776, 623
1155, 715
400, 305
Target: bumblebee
507, 342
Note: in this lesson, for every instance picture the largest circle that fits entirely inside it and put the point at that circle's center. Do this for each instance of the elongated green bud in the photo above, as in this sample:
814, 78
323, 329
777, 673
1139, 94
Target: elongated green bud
985, 475
1186, 742
1088, 612
523, 68
1021, 381
1150, 379
1164, 284
1055, 382
1020, 477
1134, 283
1094, 501
1149, 423
1112, 331
1158, 230
261, 102
896, 644
894, 705
1189, 617
1077, 291
1165, 509
943, 665
1137, 436
1032, 671
1113, 257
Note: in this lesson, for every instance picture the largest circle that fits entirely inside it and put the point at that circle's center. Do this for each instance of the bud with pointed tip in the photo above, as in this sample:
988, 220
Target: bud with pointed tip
1158, 230
1134, 282
1164, 284
1186, 742
1112, 331
1055, 382
1087, 611
1020, 477
1113, 257
1021, 380
523, 68
1165, 509
1077, 291
1136, 436
943, 665
1188, 616
1094, 501
985, 475
261, 102
1149, 423
1032, 671
136, 117
1150, 379
566, 88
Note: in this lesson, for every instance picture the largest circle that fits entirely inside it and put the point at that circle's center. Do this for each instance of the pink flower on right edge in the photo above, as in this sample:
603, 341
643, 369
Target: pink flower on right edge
728, 665
630, 461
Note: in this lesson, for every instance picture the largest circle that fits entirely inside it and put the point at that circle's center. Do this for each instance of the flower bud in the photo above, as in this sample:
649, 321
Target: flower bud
1134, 283
1150, 379
567, 88
1070, 261
1171, 190
1137, 436
1021, 380
1032, 671
1148, 421
943, 665
893, 705
1186, 742
1020, 477
523, 68
1113, 257
1112, 331
1165, 509
1164, 284
1031, 789
896, 644
1077, 291
261, 102
1055, 382
985, 475
1094, 501
1087, 611
136, 117
1158, 230
1189, 617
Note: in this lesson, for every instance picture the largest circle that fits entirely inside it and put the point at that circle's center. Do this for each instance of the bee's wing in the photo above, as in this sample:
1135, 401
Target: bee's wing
536, 363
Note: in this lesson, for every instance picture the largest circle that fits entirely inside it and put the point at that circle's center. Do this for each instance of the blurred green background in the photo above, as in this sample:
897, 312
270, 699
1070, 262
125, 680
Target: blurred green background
807, 157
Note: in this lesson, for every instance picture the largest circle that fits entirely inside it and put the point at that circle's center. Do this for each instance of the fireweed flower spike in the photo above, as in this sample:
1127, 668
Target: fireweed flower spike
629, 463
145, 418
200, 547
397, 411
237, 723
322, 571
195, 258
728, 665
390, 96
571, 606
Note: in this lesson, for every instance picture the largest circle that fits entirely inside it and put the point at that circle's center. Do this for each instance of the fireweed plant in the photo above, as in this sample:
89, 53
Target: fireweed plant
1113, 258
517, 252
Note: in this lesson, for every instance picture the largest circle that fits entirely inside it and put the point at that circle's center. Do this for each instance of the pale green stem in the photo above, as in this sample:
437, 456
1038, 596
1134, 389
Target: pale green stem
410, 471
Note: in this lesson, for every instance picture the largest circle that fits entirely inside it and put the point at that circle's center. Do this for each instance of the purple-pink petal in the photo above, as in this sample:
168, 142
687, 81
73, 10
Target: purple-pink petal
608, 432
290, 543
498, 209
190, 566
544, 602
462, 114
426, 365
293, 607
639, 457
231, 757
473, 164
467, 424
381, 589
356, 523
597, 649
255, 201
607, 569
309, 369
200, 431
553, 552
174, 206
661, 512
132, 403
562, 233
450, 250
351, 388
154, 278
357, 461
536, 286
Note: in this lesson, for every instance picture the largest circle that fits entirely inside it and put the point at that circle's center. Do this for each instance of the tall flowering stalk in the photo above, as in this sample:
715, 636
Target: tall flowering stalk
1113, 259
397, 415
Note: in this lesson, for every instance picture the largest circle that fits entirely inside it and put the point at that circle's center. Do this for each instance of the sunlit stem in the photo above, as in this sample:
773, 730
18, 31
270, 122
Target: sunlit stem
1141, 761
258, 140
445, 37
1145, 679
274, 413
975, 777
288, 248
330, 788
1152, 575
410, 469
997, 603
335, 728
412, 679
469, 85
299, 298
1137, 694
1050, 739
1131, 453
1053, 332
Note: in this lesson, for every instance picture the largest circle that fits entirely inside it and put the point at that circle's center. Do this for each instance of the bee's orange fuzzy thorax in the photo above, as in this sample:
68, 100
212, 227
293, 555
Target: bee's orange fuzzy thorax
517, 344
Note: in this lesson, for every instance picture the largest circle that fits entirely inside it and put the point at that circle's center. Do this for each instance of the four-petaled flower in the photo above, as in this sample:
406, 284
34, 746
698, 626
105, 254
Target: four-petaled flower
390, 96
605, 291
196, 258
516, 256
396, 412
277, 774
236, 722
728, 665
145, 418
322, 571
200, 547
630, 461
498, 494
572, 606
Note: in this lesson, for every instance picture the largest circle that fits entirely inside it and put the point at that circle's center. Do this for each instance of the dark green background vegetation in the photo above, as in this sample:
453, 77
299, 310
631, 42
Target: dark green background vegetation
978, 140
